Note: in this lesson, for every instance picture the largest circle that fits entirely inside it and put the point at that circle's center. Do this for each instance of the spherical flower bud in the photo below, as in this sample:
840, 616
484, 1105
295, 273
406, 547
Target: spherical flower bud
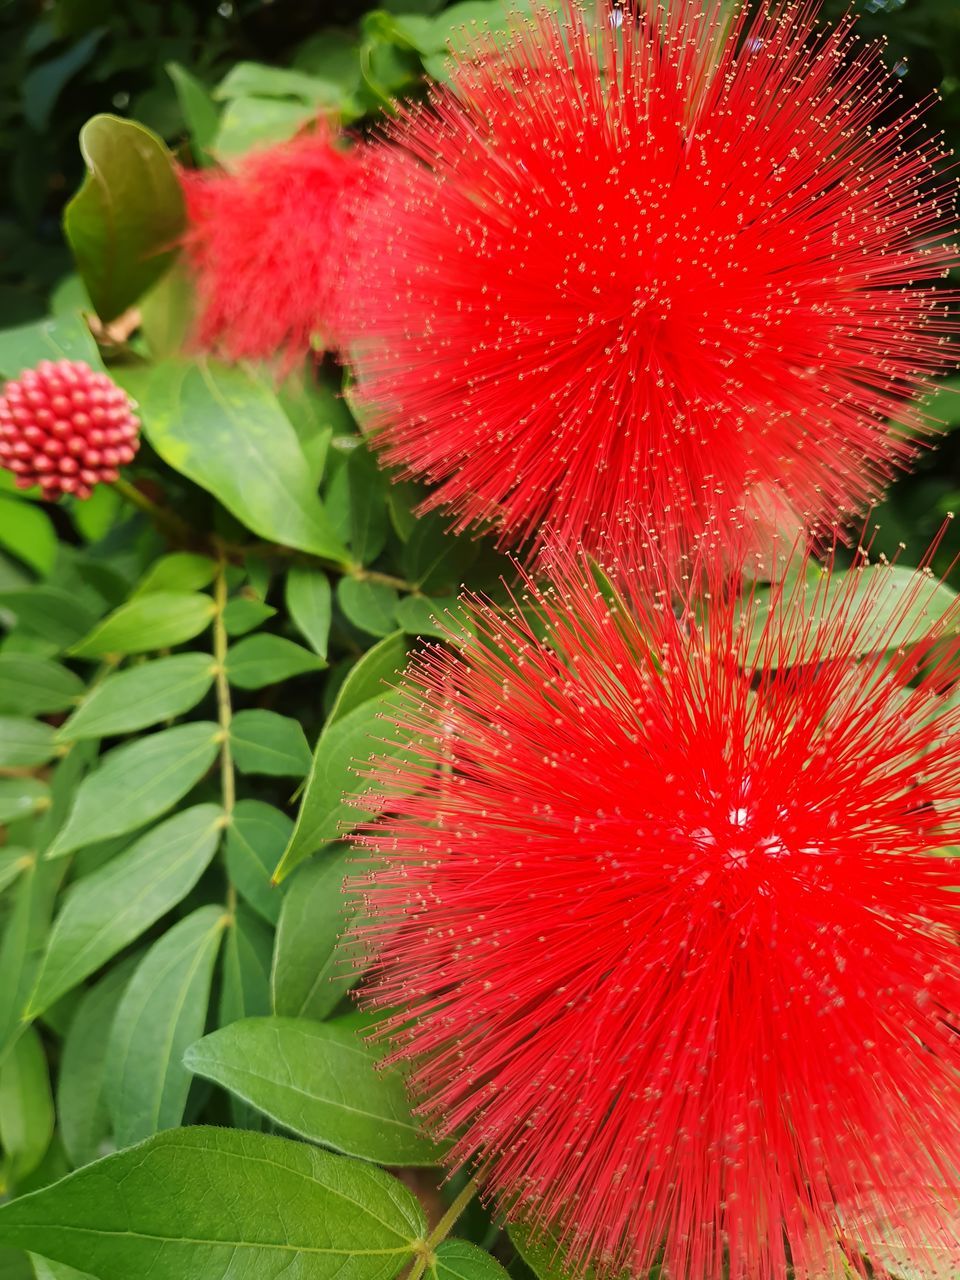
66, 427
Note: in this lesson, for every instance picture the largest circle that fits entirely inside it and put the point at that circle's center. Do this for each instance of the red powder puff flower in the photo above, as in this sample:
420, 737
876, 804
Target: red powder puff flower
264, 240
616, 269
66, 428
670, 930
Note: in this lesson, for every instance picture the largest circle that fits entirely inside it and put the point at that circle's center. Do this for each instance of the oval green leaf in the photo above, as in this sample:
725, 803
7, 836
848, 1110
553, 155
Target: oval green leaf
141, 697
256, 837
105, 911
265, 659
319, 1080
147, 622
461, 1260
36, 686
265, 742
219, 1202
136, 783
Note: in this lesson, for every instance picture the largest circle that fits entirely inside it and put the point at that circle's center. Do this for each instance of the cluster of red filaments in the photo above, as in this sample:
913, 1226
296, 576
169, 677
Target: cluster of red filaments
663, 905
617, 270
66, 427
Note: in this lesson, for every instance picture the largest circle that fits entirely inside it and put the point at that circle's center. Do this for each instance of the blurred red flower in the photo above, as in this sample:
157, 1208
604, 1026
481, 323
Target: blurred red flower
642, 268
264, 241
664, 929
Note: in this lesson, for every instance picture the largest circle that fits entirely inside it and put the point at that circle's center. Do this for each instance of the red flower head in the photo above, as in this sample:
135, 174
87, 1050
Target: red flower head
670, 929
640, 268
66, 428
264, 241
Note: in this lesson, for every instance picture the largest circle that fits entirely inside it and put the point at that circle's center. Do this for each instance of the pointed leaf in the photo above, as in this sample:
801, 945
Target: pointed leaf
218, 1203
327, 810
156, 620
81, 1106
372, 675
141, 696
312, 967
223, 428
105, 911
26, 742
163, 1010
26, 1106
265, 659
308, 599
36, 686
460, 1260
136, 783
256, 838
319, 1080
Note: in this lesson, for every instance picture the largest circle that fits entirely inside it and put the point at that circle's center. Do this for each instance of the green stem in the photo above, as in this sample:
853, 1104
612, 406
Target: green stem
442, 1230
228, 784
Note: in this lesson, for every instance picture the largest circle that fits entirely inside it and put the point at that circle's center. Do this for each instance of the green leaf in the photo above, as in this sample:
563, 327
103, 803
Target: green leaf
163, 1010
461, 1260
218, 1203
81, 1106
36, 686
20, 797
26, 742
199, 111
308, 600
50, 613
44, 1269
345, 747
259, 122
26, 1106
258, 80
266, 659
357, 502
148, 622
312, 967
179, 571
245, 989
542, 1253
370, 606
24, 936
105, 911
242, 615
65, 337
256, 838
319, 1080
136, 783
140, 697
435, 560
13, 859
28, 533
264, 742
893, 605
371, 675
223, 428
124, 221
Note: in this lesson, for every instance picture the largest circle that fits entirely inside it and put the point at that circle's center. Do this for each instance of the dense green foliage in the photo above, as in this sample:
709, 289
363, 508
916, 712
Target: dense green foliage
191, 668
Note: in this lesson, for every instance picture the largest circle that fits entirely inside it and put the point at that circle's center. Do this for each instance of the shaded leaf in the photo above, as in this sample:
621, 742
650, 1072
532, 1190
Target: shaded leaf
199, 111
27, 533
50, 613
179, 571
256, 838
125, 220
26, 1106
312, 968
371, 675
25, 742
36, 686
163, 1010
66, 337
242, 615
105, 911
461, 1260
370, 606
